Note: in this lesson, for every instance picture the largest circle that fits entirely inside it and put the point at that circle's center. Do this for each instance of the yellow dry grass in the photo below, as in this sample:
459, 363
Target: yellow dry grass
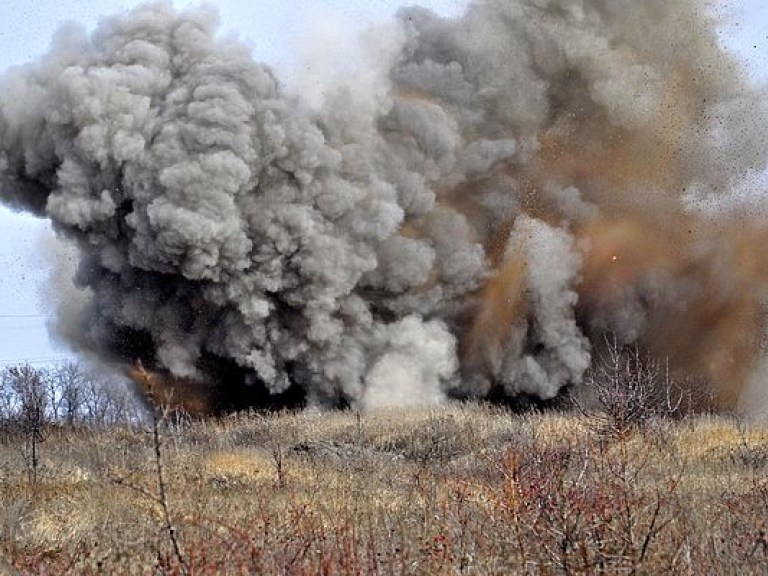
241, 465
399, 477
712, 437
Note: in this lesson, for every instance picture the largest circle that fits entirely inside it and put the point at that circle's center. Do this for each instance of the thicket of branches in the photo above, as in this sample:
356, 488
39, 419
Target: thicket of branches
623, 389
67, 393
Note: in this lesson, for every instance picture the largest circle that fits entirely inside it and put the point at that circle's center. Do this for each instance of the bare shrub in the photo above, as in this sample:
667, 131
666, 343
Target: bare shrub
437, 440
628, 389
279, 443
587, 509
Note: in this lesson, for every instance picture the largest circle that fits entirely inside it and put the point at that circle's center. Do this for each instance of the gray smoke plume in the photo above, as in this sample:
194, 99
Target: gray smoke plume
490, 194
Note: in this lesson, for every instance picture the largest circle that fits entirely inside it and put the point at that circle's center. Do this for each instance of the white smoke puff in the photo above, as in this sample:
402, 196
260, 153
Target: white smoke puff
482, 156
570, 203
350, 111
61, 296
731, 117
332, 50
753, 403
420, 359
626, 318
552, 271
630, 91
403, 264
460, 257
427, 136
180, 359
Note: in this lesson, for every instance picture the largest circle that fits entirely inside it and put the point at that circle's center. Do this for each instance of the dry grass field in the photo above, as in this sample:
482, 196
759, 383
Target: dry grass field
456, 490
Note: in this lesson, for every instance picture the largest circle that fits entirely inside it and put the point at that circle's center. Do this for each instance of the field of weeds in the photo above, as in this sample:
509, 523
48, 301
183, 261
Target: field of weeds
461, 489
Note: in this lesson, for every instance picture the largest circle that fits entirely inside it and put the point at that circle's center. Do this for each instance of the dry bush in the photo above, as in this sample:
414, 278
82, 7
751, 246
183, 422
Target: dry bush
625, 389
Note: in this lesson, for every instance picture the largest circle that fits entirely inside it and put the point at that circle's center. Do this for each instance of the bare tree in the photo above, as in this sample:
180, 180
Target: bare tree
105, 401
31, 391
69, 381
30, 388
7, 397
67, 393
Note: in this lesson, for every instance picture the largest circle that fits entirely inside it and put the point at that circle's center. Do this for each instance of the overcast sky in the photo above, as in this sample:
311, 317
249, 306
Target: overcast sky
275, 30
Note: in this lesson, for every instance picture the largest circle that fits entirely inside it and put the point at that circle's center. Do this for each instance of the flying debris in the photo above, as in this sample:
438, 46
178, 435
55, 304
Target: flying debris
467, 217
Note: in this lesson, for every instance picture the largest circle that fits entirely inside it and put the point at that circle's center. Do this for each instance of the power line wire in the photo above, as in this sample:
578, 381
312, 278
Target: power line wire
35, 360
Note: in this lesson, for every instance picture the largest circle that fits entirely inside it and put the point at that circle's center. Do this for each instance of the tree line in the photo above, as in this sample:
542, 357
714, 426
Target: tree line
65, 393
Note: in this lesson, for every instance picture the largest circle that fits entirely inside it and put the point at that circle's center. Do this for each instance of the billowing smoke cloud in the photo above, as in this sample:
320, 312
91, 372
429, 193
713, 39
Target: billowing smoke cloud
463, 217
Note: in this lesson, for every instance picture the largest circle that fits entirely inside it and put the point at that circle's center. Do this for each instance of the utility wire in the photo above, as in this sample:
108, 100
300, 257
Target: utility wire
28, 327
35, 360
